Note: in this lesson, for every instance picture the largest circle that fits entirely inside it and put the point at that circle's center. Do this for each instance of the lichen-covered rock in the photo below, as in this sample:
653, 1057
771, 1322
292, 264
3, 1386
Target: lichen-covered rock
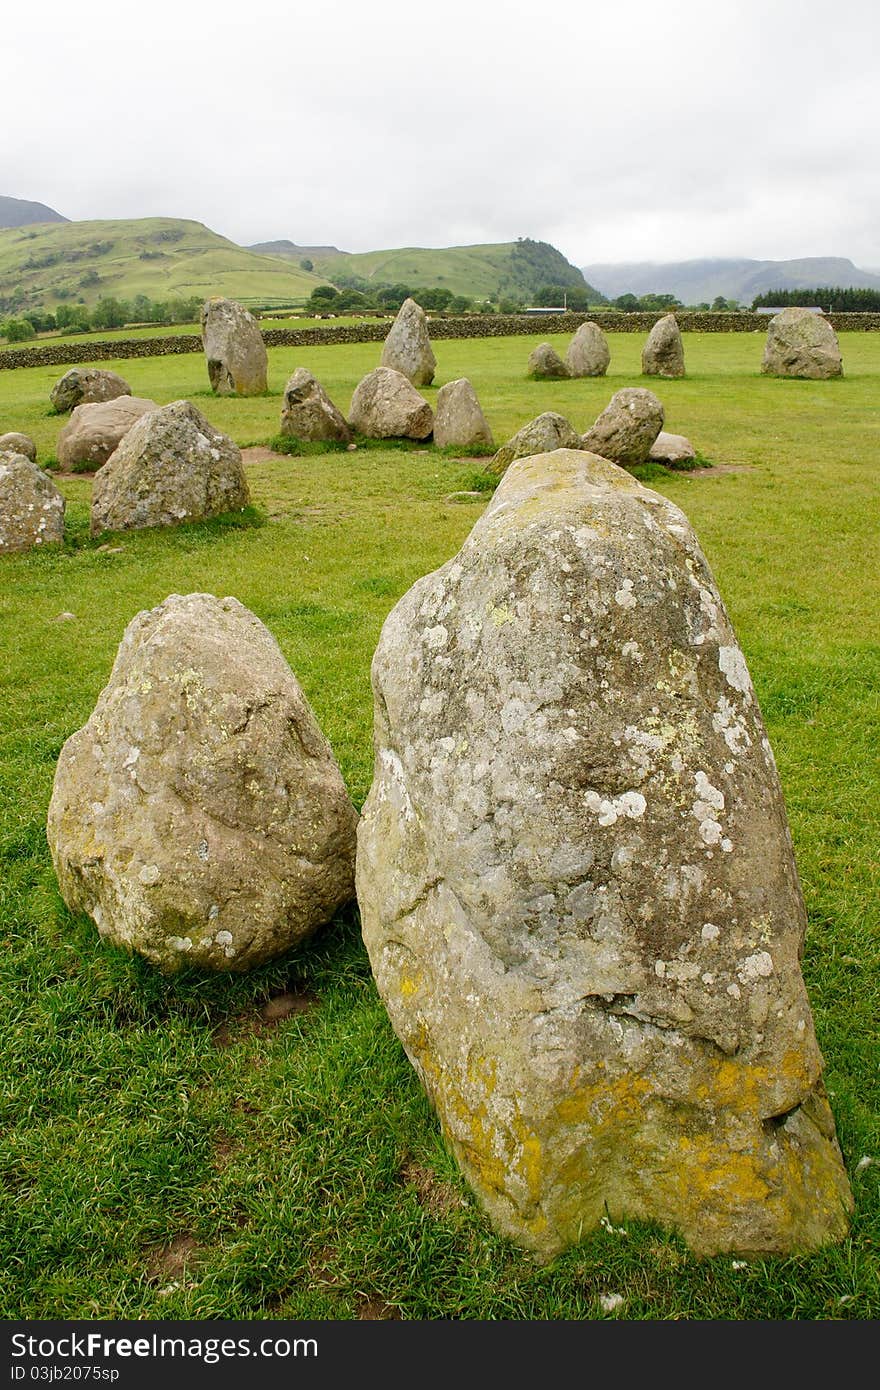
663, 353
546, 432
15, 443
386, 405
307, 412
459, 419
407, 348
31, 507
577, 885
801, 344
84, 384
675, 450
545, 364
199, 816
627, 427
237, 360
588, 353
172, 466
96, 428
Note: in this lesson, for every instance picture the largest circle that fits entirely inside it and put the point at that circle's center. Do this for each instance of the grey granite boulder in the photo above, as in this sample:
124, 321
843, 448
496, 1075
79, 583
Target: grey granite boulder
236, 355
199, 817
663, 353
627, 427
577, 887
675, 450
96, 428
545, 363
547, 431
588, 353
307, 412
15, 443
407, 348
386, 405
87, 384
172, 466
459, 419
31, 507
801, 344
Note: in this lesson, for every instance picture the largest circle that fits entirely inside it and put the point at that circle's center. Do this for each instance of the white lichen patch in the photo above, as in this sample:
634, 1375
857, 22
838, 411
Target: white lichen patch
624, 596
149, 875
180, 943
633, 651
732, 665
710, 932
755, 967
435, 637
610, 809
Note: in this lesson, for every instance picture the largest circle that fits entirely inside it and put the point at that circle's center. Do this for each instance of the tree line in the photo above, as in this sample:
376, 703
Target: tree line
109, 312
833, 299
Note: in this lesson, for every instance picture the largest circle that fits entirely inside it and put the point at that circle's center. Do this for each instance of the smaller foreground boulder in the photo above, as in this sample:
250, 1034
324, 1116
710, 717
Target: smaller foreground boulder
588, 353
199, 817
801, 344
627, 427
96, 428
172, 466
31, 507
386, 405
674, 450
663, 353
545, 364
408, 348
459, 420
542, 435
84, 384
237, 360
15, 443
307, 412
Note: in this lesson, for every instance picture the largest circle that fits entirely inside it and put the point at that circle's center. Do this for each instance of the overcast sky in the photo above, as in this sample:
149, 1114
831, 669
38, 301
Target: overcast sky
627, 130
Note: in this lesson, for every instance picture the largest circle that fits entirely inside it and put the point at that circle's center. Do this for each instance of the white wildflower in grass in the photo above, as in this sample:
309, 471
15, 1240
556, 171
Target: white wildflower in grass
610, 1302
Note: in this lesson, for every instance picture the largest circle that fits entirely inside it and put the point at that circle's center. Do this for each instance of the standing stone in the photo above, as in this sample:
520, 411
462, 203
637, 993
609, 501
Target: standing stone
408, 347
386, 406
545, 364
675, 450
546, 432
588, 353
96, 428
577, 886
31, 507
627, 427
459, 420
307, 412
801, 344
663, 353
172, 466
84, 384
236, 354
199, 817
15, 443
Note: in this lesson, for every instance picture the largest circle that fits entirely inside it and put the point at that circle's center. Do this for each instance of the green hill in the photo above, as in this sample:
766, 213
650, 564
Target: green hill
161, 257
516, 268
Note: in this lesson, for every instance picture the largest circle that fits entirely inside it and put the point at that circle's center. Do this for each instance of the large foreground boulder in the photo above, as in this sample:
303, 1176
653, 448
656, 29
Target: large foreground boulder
237, 360
545, 364
96, 429
588, 353
386, 405
546, 432
627, 427
801, 344
577, 886
459, 419
31, 507
663, 353
199, 817
172, 466
407, 348
84, 384
13, 442
307, 412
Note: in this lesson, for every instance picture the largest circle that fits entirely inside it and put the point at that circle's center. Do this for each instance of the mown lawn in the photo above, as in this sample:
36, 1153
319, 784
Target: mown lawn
168, 1151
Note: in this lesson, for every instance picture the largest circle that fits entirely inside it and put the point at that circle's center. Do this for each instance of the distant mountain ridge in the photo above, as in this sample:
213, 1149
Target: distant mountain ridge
18, 212
289, 250
701, 281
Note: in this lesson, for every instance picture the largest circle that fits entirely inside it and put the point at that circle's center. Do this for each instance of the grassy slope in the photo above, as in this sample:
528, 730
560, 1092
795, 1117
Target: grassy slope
199, 262
297, 1171
469, 270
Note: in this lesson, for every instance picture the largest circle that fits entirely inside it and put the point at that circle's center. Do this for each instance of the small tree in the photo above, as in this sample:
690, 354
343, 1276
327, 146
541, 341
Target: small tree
18, 330
306, 264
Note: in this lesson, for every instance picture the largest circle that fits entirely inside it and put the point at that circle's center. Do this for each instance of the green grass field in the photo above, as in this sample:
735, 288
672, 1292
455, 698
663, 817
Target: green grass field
167, 1150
